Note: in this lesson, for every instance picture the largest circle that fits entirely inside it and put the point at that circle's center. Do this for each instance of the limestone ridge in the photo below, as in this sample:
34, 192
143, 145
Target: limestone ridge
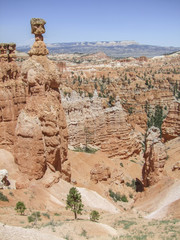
32, 120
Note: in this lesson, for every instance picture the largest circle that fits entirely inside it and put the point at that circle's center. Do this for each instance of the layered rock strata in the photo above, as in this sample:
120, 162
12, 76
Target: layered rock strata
171, 124
90, 123
32, 121
155, 156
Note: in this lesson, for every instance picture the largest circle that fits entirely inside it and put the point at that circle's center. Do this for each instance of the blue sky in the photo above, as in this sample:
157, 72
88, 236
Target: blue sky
155, 22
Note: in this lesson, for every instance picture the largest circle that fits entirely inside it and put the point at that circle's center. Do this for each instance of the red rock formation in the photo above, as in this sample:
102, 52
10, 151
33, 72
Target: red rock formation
88, 122
32, 120
155, 157
100, 173
171, 124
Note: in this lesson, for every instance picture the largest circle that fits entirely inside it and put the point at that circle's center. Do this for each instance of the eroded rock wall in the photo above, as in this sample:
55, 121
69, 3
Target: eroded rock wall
89, 122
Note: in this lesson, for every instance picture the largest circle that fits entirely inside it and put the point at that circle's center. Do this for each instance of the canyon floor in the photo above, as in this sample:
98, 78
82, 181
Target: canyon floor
153, 214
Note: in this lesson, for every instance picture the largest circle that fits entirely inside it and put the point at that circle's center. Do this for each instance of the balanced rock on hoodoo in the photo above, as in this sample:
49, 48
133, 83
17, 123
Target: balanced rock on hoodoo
155, 157
37, 28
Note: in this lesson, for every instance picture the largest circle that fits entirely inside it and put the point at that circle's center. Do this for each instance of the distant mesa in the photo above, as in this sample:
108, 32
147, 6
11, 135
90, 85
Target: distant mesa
118, 49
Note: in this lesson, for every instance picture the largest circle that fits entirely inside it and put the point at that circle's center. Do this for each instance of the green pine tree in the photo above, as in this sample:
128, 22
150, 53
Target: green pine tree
74, 202
20, 207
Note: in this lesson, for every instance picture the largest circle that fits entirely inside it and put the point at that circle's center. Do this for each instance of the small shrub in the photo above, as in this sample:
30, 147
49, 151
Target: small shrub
20, 207
3, 197
34, 217
124, 198
94, 216
121, 164
133, 161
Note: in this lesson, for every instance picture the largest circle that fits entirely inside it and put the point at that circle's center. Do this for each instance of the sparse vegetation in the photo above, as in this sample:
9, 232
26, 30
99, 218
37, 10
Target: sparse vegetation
46, 215
117, 196
126, 224
34, 218
86, 150
132, 184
